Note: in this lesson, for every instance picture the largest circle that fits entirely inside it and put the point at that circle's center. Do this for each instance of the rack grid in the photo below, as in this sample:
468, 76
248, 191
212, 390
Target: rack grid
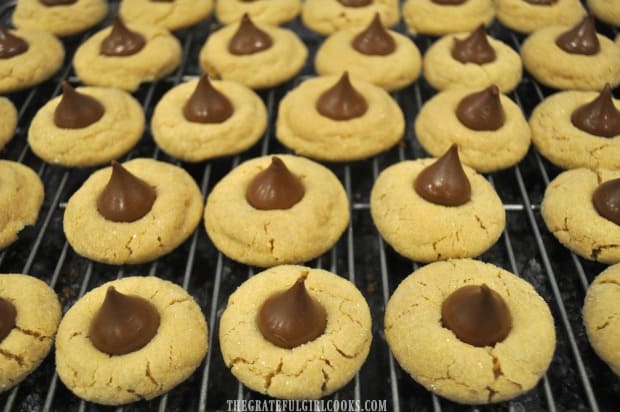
576, 380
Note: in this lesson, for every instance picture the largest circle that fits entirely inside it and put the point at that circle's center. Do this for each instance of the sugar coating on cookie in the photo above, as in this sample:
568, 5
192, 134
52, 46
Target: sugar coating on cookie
428, 17
443, 71
169, 358
306, 131
600, 309
570, 216
308, 371
8, 114
273, 12
328, 16
173, 15
270, 237
267, 68
456, 370
391, 72
158, 58
172, 218
195, 142
110, 137
424, 231
63, 20
565, 145
21, 197
525, 17
553, 67
43, 58
38, 315
437, 127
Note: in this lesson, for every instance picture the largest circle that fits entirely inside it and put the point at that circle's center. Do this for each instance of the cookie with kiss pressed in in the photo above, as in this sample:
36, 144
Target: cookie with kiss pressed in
171, 15
59, 17
527, 16
440, 17
273, 12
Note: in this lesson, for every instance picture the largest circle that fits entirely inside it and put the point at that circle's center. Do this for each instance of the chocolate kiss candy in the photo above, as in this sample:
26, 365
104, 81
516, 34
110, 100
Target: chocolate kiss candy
275, 188
292, 317
76, 110
542, 2
341, 101
57, 2
207, 104
444, 182
11, 45
123, 324
8, 313
581, 39
475, 48
125, 198
449, 2
606, 199
355, 3
599, 117
477, 315
249, 39
482, 110
375, 40
121, 41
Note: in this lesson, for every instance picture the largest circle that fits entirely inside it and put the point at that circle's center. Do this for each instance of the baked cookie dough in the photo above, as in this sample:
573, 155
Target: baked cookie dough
266, 68
271, 237
21, 197
424, 231
60, 20
328, 16
442, 71
456, 370
600, 316
169, 358
308, 371
114, 134
194, 142
428, 17
606, 10
172, 218
8, 114
525, 17
171, 15
37, 317
273, 12
303, 129
554, 67
570, 215
565, 145
437, 127
43, 58
159, 57
391, 72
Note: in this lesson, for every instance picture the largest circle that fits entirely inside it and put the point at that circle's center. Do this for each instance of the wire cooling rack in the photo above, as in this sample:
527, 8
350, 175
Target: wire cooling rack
576, 380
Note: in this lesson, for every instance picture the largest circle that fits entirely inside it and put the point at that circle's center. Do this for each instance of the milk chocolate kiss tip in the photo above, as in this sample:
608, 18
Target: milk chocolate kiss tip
76, 110
248, 38
125, 198
275, 188
292, 317
342, 101
123, 324
10, 44
375, 40
482, 110
8, 315
599, 117
581, 39
51, 3
121, 41
477, 315
475, 48
207, 104
355, 3
444, 182
606, 200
